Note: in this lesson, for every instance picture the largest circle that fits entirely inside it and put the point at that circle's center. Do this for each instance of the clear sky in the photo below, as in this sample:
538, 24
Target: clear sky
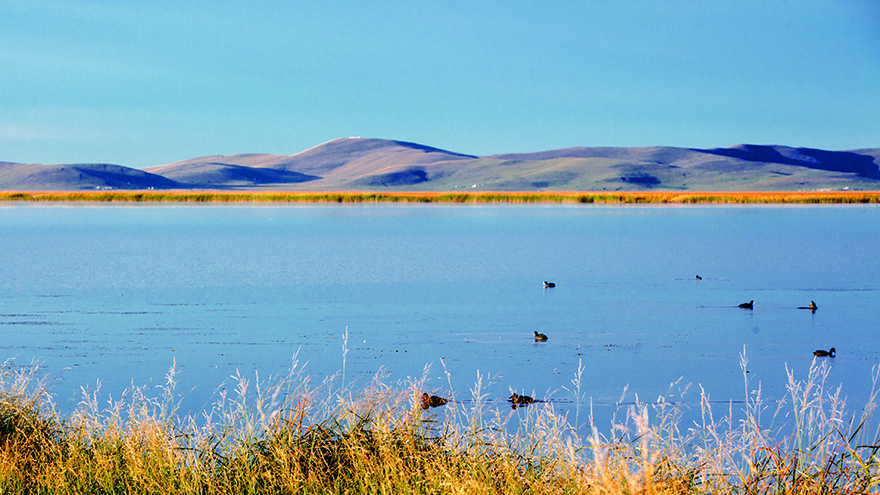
141, 83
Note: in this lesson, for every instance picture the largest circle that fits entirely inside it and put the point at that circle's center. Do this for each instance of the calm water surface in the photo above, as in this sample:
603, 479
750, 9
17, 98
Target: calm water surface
116, 294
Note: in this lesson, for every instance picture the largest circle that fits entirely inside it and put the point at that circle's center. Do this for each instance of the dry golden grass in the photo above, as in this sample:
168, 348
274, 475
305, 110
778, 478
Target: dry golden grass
831, 197
287, 436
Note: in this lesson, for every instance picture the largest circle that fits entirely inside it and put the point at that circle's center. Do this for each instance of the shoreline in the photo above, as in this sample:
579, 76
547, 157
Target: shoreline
651, 197
288, 437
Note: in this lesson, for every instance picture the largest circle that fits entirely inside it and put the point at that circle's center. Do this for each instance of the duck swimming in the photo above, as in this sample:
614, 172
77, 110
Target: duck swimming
548, 285
748, 305
812, 307
829, 353
540, 337
432, 401
699, 277
521, 399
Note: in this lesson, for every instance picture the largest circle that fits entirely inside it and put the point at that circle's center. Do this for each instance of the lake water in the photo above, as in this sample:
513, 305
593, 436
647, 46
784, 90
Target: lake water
119, 293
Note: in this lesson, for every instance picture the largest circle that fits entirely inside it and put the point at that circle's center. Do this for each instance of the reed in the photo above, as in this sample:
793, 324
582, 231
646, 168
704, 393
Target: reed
815, 197
289, 435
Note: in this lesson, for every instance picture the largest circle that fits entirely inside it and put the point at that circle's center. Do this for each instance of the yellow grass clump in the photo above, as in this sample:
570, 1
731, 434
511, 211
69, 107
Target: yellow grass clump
816, 197
288, 436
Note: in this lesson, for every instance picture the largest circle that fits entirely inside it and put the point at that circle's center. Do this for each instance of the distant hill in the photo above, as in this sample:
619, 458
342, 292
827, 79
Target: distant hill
378, 164
208, 174
31, 177
336, 164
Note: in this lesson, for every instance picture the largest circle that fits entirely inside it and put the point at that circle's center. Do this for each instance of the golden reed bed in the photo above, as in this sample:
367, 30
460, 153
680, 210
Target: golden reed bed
815, 197
292, 435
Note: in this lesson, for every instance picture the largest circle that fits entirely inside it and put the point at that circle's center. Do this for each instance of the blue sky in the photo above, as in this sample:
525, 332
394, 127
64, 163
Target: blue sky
148, 83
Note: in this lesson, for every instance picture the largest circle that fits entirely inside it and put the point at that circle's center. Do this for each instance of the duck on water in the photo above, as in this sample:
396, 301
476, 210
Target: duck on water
521, 399
432, 401
823, 353
540, 337
748, 305
812, 307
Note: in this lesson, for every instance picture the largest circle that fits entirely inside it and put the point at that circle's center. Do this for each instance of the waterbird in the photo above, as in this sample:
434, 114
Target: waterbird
521, 399
699, 277
548, 284
822, 353
432, 401
540, 337
748, 305
812, 307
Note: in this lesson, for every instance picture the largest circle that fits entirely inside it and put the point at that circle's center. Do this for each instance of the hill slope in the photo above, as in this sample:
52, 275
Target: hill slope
31, 177
332, 164
377, 164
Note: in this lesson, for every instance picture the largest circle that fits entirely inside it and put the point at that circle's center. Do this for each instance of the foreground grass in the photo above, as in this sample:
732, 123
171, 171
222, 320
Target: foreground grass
836, 197
290, 437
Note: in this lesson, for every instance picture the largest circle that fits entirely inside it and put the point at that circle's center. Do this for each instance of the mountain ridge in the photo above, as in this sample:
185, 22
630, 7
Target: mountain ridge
381, 164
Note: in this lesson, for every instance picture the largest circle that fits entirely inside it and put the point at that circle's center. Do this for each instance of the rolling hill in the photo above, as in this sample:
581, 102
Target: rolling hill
32, 177
378, 164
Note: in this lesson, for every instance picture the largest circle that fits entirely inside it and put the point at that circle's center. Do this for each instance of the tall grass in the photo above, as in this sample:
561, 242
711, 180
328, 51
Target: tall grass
815, 197
290, 435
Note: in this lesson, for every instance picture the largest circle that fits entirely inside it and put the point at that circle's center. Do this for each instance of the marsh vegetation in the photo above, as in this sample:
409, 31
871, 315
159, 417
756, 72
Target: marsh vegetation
290, 435
813, 197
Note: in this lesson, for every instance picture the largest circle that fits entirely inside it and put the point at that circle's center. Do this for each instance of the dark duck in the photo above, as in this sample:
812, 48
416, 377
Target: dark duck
521, 399
432, 401
812, 307
540, 337
822, 353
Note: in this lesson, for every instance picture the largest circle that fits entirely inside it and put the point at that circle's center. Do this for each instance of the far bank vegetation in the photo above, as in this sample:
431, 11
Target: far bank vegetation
814, 197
